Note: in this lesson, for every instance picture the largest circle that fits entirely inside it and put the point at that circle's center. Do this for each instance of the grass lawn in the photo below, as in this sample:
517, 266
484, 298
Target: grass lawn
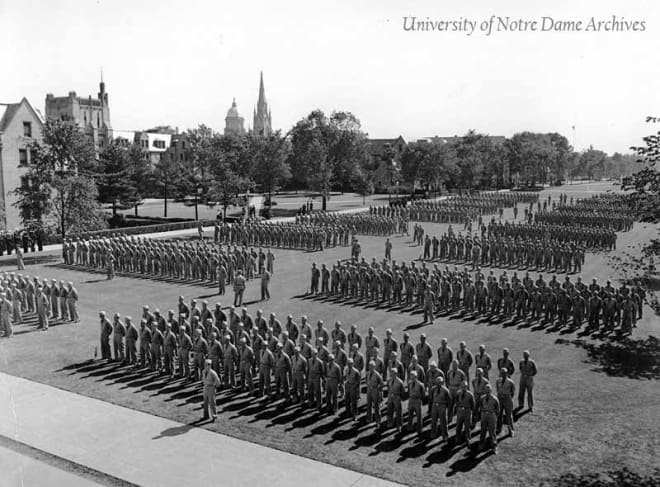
596, 403
287, 204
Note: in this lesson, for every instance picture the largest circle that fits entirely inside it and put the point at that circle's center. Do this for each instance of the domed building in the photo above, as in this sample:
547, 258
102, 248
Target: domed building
233, 121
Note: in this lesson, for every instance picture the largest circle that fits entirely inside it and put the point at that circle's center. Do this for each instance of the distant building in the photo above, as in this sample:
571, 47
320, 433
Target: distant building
20, 125
155, 142
262, 121
380, 147
233, 121
498, 139
179, 147
91, 114
386, 154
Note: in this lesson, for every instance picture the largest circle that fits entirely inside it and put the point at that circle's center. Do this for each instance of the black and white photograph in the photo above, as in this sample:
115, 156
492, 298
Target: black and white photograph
331, 244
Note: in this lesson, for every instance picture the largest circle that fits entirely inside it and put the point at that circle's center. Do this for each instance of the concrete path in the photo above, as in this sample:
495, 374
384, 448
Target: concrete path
147, 450
18, 470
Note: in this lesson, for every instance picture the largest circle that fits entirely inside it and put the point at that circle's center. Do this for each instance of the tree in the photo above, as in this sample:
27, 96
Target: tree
77, 207
480, 161
592, 163
60, 181
644, 185
227, 184
165, 178
430, 163
270, 154
115, 185
327, 152
140, 174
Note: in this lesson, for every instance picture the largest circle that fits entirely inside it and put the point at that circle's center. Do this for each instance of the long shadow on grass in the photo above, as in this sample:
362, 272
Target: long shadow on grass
627, 357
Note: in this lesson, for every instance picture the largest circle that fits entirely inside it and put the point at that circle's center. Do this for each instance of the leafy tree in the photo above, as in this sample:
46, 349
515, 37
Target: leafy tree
166, 178
644, 185
430, 163
141, 176
115, 186
270, 154
328, 151
479, 160
60, 181
227, 183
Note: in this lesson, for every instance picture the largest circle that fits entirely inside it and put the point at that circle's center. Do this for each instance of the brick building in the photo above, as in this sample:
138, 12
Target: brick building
20, 125
91, 114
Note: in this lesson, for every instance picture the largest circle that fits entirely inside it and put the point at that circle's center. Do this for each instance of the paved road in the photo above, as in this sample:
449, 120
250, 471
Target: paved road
18, 470
147, 450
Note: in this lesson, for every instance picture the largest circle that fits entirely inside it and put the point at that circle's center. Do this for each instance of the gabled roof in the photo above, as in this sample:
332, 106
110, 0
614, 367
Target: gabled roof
8, 110
498, 139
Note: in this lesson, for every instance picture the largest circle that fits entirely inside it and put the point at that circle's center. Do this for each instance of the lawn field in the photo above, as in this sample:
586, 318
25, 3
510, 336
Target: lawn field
596, 400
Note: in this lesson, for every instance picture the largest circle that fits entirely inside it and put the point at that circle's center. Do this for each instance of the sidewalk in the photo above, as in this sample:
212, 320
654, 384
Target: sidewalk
147, 450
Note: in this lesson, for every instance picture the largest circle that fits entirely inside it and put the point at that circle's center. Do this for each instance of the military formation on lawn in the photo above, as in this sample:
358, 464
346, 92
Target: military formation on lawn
309, 232
23, 297
501, 251
196, 261
443, 291
457, 209
316, 367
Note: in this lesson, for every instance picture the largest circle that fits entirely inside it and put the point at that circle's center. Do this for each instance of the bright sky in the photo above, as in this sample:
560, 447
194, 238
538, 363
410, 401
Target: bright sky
180, 63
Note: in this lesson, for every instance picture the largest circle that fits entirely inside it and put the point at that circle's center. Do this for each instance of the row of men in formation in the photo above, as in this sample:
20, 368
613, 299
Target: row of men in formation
618, 220
297, 359
439, 291
322, 231
27, 239
588, 237
186, 260
501, 251
365, 224
456, 209
283, 235
22, 295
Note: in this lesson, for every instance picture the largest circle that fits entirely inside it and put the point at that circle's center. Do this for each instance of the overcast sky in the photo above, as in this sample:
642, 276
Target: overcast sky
180, 63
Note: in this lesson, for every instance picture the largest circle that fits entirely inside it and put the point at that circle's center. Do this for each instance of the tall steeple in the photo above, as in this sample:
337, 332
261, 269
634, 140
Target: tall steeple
262, 121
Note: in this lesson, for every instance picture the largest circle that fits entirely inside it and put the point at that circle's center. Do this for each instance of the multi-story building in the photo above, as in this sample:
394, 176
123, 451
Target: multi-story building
91, 114
20, 125
386, 154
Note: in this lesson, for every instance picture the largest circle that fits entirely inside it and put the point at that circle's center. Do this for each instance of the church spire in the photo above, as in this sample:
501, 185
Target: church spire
262, 91
262, 121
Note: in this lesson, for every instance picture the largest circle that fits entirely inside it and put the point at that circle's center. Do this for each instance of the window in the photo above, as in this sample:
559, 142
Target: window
22, 157
33, 156
27, 129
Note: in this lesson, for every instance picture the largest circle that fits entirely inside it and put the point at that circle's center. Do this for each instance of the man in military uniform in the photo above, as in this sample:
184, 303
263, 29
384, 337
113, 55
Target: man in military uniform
316, 369
282, 373
489, 407
465, 405
505, 392
440, 401
374, 393
416, 394
527, 372
299, 375
395, 392
266, 364
211, 382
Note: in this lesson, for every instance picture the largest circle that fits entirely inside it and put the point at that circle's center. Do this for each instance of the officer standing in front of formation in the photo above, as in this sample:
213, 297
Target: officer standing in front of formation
528, 370
211, 382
